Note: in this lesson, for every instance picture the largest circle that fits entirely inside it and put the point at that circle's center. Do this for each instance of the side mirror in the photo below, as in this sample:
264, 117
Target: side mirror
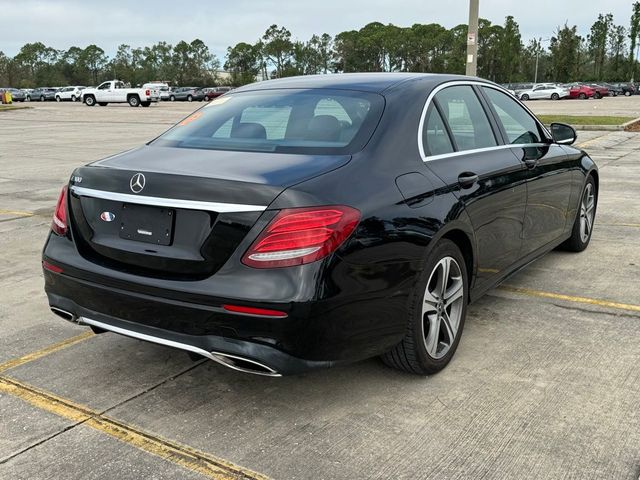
563, 134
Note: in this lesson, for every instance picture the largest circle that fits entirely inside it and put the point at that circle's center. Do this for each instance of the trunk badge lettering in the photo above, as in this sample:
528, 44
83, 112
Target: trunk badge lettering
107, 216
144, 232
137, 182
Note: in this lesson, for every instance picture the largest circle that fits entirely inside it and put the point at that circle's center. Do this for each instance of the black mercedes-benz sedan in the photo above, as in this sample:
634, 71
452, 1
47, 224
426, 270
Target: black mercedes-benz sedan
312, 221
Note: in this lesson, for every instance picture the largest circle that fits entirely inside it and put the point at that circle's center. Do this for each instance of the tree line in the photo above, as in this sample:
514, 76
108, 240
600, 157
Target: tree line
607, 53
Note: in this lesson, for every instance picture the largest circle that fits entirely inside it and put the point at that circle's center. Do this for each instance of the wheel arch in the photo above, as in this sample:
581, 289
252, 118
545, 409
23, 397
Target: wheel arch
466, 246
596, 178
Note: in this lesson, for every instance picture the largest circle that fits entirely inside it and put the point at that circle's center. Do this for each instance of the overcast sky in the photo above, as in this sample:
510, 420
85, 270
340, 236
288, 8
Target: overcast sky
63, 23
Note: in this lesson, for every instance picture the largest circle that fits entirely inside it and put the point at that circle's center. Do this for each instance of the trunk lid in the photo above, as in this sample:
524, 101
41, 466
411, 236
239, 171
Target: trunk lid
179, 213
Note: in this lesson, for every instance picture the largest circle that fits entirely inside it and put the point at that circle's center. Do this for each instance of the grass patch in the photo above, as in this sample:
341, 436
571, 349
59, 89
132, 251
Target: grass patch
584, 120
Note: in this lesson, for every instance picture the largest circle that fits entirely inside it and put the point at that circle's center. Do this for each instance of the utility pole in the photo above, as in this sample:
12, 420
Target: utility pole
538, 51
472, 39
535, 79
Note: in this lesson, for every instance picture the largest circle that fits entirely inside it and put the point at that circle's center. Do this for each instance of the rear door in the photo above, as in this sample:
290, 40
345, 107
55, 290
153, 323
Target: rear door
548, 171
464, 149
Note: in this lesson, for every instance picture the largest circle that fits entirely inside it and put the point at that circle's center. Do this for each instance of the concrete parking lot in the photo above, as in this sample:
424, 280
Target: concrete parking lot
545, 383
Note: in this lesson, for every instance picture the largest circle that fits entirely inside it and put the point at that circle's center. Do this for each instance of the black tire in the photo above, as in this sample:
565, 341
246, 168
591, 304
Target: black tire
577, 242
524, 97
145, 104
582, 96
627, 93
73, 98
411, 354
133, 101
58, 99
42, 98
103, 104
555, 96
597, 95
172, 98
90, 101
189, 98
28, 98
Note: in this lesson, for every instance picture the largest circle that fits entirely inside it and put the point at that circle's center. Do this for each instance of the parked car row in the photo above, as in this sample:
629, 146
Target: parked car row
188, 94
557, 91
157, 91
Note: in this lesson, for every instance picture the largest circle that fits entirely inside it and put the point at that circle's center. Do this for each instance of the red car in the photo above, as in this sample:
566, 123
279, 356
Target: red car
601, 91
582, 91
215, 92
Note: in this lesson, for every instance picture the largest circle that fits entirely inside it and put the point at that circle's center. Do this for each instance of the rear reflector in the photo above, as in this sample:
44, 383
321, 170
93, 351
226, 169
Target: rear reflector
51, 267
254, 311
301, 235
59, 223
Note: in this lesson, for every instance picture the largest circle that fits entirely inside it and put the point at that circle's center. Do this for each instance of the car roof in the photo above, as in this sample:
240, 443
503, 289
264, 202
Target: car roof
368, 82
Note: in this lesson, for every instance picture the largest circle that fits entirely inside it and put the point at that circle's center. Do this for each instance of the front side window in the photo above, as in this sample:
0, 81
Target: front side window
520, 126
315, 121
466, 118
104, 86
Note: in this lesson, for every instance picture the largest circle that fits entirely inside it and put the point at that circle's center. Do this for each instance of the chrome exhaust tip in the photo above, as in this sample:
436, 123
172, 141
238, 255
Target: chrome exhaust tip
68, 316
244, 365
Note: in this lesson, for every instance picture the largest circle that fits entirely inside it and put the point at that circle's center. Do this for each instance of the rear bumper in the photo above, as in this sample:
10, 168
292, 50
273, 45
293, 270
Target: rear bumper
236, 354
204, 329
315, 334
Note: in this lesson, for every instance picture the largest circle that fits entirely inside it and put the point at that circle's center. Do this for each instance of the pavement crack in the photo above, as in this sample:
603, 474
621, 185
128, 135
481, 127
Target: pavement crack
40, 442
153, 387
598, 312
75, 424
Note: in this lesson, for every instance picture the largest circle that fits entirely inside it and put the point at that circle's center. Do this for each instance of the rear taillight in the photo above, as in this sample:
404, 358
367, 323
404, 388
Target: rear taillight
301, 235
147, 93
51, 267
59, 223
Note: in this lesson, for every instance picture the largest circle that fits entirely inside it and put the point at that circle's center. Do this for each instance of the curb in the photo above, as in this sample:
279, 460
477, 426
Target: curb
627, 127
607, 128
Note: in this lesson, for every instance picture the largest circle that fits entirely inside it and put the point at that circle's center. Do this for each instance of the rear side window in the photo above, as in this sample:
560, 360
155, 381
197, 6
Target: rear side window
520, 126
315, 121
466, 118
435, 138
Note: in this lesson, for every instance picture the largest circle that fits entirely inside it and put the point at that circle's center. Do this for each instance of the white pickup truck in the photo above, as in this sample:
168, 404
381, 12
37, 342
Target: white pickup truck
115, 91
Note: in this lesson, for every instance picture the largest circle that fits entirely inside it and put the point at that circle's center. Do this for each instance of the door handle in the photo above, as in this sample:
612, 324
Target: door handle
467, 179
531, 162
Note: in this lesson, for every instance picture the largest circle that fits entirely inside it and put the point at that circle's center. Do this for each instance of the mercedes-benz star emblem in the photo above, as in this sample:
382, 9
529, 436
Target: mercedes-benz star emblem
137, 183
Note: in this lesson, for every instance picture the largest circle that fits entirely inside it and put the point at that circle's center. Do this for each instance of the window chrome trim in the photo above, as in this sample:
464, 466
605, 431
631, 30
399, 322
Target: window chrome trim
167, 202
470, 83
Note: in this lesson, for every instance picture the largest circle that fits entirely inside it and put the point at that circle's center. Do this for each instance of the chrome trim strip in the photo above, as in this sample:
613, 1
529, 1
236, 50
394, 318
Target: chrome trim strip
442, 86
487, 149
167, 202
217, 357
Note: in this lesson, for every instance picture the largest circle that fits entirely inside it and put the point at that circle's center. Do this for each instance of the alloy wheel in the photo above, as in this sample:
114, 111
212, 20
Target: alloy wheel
587, 212
442, 307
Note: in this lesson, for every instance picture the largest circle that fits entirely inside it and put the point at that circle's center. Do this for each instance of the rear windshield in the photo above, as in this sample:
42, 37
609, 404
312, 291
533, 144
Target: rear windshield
285, 121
